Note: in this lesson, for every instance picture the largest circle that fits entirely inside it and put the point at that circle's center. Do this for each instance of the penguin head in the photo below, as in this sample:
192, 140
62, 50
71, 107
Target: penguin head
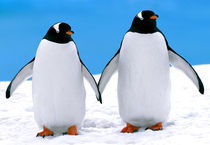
59, 33
144, 22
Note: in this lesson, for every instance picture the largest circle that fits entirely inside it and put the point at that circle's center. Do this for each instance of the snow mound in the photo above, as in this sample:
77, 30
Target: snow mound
188, 123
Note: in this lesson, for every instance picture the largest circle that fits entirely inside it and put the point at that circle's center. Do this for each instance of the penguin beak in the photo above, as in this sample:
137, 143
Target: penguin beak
70, 32
154, 17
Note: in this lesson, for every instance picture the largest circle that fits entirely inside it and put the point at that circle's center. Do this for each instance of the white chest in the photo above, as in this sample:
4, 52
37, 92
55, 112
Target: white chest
58, 89
148, 48
54, 55
143, 80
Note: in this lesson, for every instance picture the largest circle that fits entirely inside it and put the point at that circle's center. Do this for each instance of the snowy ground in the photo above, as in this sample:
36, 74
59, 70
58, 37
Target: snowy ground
188, 123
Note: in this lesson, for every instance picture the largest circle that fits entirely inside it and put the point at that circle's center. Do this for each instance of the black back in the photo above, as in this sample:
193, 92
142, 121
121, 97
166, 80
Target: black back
60, 36
145, 25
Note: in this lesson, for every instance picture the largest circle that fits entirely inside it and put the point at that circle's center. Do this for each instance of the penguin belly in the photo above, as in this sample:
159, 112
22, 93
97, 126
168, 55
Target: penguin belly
144, 81
57, 87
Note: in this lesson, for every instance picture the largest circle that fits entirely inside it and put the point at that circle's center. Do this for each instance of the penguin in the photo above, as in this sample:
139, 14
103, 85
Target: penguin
57, 82
143, 61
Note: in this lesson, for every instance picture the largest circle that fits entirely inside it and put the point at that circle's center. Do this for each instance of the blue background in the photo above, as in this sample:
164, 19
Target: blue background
99, 26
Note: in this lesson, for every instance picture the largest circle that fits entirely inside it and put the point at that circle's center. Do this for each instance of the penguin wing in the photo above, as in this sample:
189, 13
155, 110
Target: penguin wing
108, 71
179, 62
92, 82
23, 74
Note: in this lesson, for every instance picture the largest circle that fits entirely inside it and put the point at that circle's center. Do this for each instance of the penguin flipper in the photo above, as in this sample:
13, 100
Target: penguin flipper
108, 71
92, 82
23, 74
179, 62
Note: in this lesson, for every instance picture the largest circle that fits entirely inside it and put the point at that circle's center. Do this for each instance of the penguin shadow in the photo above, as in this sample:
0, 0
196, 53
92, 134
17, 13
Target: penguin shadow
47, 137
165, 126
100, 123
169, 124
58, 133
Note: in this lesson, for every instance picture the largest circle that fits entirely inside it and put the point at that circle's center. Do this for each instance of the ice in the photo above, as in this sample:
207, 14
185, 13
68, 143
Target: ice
188, 123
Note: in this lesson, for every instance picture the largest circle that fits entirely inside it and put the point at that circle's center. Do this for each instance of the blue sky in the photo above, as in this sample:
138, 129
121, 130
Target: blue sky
99, 26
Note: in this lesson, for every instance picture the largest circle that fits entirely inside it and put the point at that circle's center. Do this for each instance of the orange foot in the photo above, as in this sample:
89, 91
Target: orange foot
156, 127
71, 130
129, 128
45, 132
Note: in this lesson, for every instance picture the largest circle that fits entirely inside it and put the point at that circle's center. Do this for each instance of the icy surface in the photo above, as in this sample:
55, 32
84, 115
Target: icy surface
188, 123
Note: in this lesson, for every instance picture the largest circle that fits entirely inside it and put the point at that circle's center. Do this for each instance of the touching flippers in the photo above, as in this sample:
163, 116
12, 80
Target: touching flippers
108, 71
179, 62
25, 73
92, 82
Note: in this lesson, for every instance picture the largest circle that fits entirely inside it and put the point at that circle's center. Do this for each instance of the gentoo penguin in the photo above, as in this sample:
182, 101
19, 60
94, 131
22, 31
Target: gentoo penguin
57, 83
143, 74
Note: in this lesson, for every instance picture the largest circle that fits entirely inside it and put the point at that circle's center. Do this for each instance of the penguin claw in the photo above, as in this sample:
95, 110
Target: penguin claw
45, 132
129, 129
156, 127
124, 130
72, 130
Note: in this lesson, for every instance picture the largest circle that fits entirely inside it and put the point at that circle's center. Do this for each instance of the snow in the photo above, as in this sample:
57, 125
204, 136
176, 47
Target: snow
188, 122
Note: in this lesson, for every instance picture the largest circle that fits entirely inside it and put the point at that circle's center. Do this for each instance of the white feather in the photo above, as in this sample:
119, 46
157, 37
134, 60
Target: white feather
144, 82
57, 87
108, 72
140, 15
91, 80
181, 64
56, 27
25, 73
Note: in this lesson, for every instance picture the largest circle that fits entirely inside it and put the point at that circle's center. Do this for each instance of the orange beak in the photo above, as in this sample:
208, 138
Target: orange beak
153, 17
69, 32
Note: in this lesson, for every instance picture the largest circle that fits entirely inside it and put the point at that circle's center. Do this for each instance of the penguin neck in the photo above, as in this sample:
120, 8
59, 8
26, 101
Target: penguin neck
144, 28
57, 38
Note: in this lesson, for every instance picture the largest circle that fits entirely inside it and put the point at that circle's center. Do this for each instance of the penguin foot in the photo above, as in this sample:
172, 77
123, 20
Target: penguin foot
71, 130
156, 127
45, 132
129, 128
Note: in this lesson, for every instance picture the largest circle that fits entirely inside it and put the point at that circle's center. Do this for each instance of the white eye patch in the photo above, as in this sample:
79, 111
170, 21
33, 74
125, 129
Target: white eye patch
140, 15
56, 27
